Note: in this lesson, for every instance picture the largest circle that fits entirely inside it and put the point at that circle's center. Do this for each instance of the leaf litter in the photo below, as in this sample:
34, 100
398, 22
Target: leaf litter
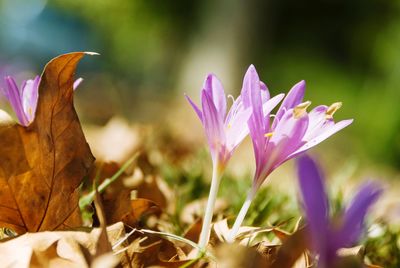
131, 215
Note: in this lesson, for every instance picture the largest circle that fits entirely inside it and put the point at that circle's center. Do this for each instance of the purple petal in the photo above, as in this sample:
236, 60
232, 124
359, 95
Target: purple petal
236, 108
323, 136
269, 105
251, 91
288, 137
264, 92
353, 219
14, 97
315, 201
30, 94
212, 125
195, 108
293, 98
237, 129
251, 96
317, 117
216, 91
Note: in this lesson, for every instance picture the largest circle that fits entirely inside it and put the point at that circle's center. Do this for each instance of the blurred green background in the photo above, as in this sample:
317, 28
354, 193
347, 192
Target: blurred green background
152, 51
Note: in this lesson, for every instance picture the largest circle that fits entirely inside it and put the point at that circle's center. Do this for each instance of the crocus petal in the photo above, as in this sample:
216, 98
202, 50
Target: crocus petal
269, 105
14, 97
317, 118
264, 92
285, 139
236, 108
323, 136
252, 97
195, 108
288, 136
353, 219
216, 91
237, 130
293, 98
315, 201
30, 93
212, 125
77, 83
251, 93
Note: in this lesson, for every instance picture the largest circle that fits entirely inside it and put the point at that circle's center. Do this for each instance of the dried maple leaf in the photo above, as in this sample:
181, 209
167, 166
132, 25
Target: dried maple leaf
42, 165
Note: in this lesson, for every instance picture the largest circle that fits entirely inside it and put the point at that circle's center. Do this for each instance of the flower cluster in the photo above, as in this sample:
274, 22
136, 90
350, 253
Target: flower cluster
224, 132
276, 138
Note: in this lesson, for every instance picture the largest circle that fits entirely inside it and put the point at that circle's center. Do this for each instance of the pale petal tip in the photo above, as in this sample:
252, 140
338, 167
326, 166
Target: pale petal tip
347, 122
92, 53
251, 69
301, 86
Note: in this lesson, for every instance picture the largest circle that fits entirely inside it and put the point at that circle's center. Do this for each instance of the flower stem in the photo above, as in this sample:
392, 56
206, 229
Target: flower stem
206, 228
240, 217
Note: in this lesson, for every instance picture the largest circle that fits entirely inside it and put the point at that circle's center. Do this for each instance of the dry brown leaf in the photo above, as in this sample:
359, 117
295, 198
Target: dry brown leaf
150, 189
267, 250
292, 249
116, 197
142, 207
42, 165
245, 235
194, 230
149, 250
235, 256
58, 248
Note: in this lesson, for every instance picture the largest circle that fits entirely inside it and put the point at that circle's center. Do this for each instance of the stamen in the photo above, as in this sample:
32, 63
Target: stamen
332, 109
269, 134
232, 98
300, 109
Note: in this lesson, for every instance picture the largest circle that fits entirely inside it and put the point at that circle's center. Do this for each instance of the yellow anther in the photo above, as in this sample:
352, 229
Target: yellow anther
30, 111
332, 109
269, 134
300, 109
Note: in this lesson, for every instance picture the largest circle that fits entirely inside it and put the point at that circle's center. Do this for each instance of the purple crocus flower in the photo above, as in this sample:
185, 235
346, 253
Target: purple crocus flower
328, 236
292, 132
24, 100
224, 131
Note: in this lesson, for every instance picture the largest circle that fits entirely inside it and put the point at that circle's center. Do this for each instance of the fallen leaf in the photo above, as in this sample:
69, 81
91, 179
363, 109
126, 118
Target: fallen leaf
142, 207
42, 165
59, 248
150, 189
235, 255
245, 235
194, 230
292, 249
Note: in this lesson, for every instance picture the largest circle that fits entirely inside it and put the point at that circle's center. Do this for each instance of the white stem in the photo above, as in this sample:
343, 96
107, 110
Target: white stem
206, 228
240, 217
